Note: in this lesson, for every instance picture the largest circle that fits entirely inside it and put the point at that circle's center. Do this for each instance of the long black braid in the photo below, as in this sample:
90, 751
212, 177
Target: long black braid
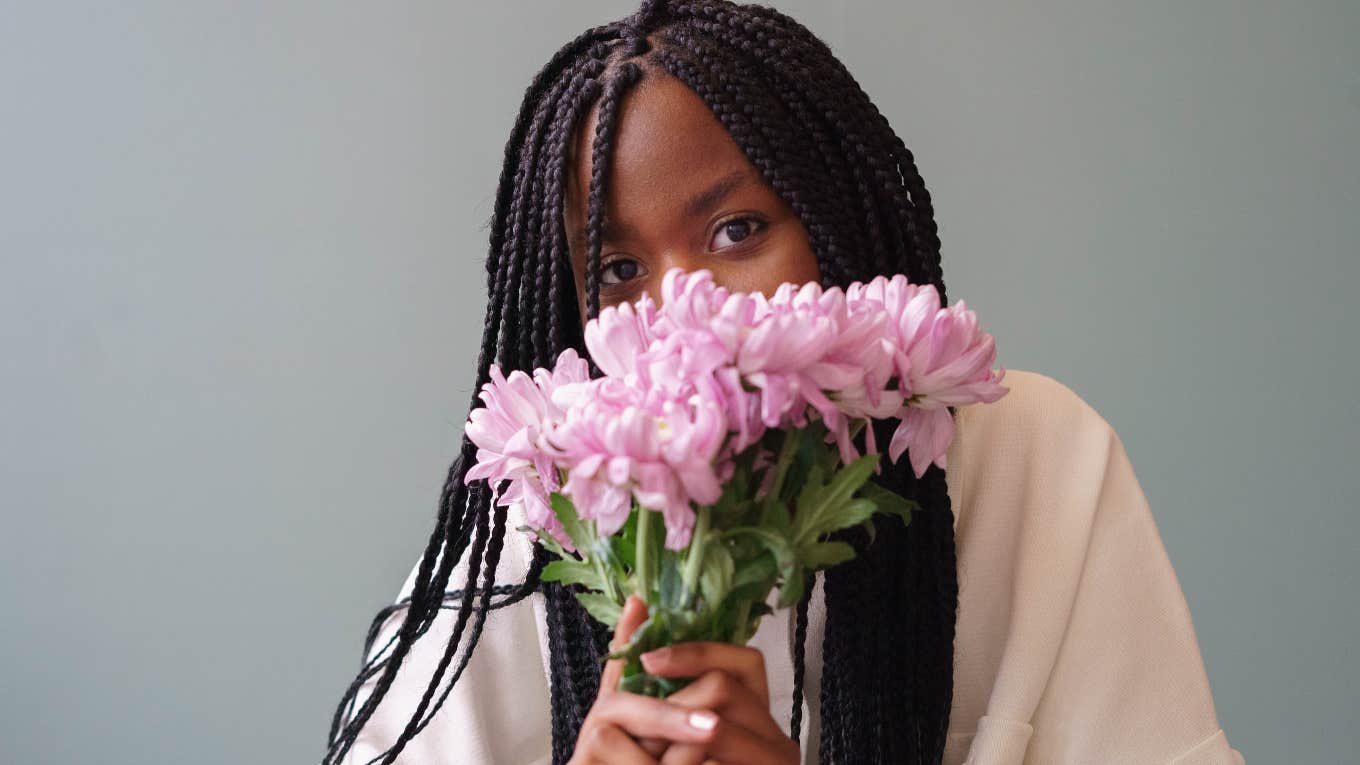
822, 145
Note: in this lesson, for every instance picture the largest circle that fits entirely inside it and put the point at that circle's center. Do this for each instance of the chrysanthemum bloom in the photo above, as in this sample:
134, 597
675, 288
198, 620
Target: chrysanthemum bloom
943, 359
508, 431
615, 443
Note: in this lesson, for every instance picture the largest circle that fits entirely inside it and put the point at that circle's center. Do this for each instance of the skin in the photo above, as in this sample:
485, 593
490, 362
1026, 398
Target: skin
680, 192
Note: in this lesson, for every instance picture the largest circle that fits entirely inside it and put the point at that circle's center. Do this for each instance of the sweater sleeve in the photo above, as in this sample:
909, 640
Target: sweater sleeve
496, 712
1128, 684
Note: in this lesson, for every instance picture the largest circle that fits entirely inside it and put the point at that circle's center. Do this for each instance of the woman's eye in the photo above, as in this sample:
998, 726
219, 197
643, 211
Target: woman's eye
734, 231
623, 268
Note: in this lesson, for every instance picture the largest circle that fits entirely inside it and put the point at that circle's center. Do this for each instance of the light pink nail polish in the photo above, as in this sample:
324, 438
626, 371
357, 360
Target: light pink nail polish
703, 720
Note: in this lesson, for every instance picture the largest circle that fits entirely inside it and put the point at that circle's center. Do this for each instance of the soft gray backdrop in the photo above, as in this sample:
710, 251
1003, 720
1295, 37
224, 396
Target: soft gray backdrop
241, 296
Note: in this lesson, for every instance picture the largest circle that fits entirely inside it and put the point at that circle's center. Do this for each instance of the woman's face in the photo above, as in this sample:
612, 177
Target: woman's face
680, 192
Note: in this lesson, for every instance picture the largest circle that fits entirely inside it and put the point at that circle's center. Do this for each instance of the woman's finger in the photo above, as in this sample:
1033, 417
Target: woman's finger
732, 700
634, 614
643, 716
693, 658
685, 754
654, 746
606, 743
732, 743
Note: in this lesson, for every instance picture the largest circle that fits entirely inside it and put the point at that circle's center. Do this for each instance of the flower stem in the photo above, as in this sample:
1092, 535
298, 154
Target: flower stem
857, 427
787, 449
606, 576
690, 575
743, 616
644, 553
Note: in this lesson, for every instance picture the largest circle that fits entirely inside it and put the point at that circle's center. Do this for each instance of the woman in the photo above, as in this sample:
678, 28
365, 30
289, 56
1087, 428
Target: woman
710, 135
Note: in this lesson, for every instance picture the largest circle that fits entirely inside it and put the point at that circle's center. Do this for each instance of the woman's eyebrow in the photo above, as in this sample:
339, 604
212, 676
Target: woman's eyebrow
704, 201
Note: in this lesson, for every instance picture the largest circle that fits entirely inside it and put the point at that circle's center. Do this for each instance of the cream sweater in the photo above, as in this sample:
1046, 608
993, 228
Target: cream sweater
1074, 641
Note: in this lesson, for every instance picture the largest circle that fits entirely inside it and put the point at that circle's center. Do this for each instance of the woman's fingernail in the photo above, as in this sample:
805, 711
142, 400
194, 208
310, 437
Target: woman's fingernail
703, 720
654, 656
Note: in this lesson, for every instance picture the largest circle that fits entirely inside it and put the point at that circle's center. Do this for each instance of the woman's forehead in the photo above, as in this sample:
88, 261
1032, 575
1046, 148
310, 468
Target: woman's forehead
667, 146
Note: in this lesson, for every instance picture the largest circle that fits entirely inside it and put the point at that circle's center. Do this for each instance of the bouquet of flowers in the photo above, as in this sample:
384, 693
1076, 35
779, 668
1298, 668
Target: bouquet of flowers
718, 451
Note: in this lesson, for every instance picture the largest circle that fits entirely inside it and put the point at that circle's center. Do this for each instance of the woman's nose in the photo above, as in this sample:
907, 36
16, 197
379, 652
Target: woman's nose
680, 258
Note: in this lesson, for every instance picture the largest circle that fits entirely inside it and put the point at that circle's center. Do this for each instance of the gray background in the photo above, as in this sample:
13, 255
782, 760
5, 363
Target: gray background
241, 295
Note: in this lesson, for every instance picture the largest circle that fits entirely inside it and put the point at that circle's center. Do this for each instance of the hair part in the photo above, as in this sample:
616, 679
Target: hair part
821, 144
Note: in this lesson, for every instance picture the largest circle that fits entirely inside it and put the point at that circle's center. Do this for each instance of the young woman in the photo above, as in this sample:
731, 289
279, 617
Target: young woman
1027, 614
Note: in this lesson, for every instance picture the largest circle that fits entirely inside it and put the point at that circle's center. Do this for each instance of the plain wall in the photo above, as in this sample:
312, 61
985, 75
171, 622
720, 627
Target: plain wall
241, 295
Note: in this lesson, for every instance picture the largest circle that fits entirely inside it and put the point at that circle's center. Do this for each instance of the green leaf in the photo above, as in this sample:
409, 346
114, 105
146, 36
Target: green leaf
572, 571
826, 554
571, 522
758, 570
792, 589
603, 550
823, 509
811, 493
778, 518
851, 513
753, 580
758, 610
547, 540
805, 458
601, 606
850, 478
889, 502
776, 543
734, 491
624, 543
715, 577
670, 584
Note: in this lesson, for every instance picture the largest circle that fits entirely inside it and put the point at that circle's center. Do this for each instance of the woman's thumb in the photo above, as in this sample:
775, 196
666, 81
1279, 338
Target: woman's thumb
634, 614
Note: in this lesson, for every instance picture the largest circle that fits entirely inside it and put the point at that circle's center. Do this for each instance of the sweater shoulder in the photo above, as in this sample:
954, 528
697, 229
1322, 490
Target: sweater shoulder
1039, 442
1036, 408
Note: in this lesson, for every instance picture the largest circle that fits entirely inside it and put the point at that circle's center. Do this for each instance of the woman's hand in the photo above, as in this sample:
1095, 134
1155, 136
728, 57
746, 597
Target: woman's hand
730, 680
617, 718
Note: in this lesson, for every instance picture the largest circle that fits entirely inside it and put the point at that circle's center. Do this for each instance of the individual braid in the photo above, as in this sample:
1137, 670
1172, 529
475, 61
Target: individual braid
799, 659
823, 146
599, 170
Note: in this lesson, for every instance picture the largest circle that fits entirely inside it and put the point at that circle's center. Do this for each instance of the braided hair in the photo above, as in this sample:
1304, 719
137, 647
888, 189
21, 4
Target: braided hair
821, 144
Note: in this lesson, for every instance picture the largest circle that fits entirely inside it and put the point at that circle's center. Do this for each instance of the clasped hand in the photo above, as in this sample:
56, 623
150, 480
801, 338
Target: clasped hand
723, 716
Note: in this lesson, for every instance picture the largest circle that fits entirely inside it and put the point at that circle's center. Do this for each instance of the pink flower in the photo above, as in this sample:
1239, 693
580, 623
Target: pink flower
619, 334
508, 430
942, 359
693, 382
816, 348
619, 443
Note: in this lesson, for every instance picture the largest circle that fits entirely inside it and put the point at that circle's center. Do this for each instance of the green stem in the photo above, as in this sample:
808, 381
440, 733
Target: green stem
690, 576
856, 428
644, 553
606, 575
792, 438
743, 616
